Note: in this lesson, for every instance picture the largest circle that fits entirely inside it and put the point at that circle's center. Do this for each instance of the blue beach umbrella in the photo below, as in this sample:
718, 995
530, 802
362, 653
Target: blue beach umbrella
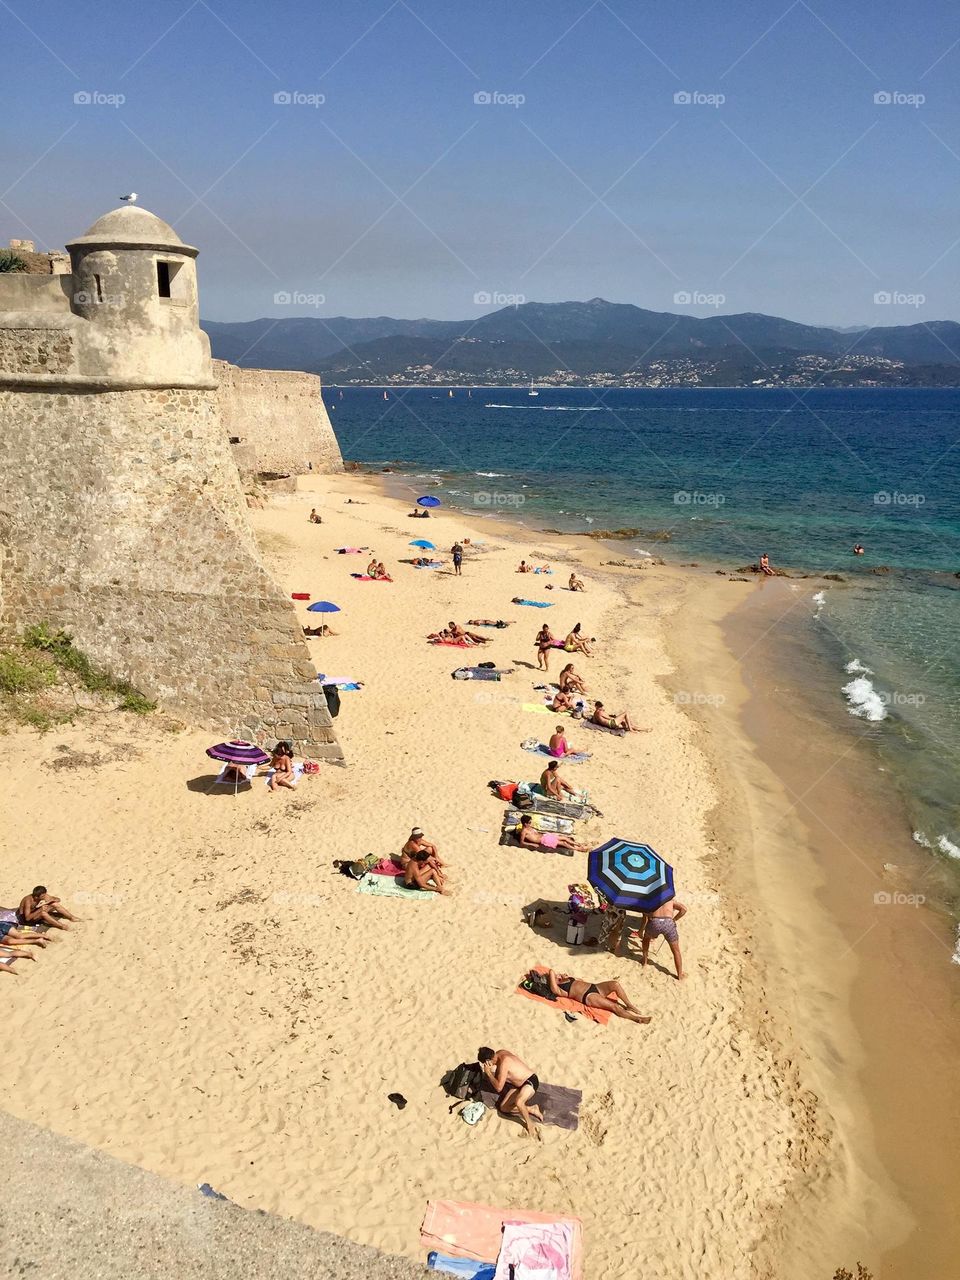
323, 606
423, 544
630, 875
428, 501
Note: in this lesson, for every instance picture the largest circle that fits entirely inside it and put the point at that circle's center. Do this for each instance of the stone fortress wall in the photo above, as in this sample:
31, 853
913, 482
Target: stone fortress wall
122, 515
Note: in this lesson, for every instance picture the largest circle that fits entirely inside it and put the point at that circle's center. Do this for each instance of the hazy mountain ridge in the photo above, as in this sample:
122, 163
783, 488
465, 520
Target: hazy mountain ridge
591, 341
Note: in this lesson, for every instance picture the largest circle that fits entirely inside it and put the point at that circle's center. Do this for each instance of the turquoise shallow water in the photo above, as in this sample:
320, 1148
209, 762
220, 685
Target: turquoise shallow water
722, 476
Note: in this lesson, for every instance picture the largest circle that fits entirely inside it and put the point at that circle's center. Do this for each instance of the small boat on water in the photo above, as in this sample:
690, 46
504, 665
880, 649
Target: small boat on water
531, 392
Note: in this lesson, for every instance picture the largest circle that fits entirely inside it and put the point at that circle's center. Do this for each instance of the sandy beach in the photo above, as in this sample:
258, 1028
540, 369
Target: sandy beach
232, 1010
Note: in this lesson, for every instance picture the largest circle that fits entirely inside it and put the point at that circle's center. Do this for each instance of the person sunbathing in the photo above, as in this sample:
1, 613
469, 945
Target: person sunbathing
528, 837
552, 785
322, 630
576, 643
40, 907
558, 745
372, 569
423, 868
11, 936
379, 570
575, 583
523, 567
458, 633
9, 958
570, 682
765, 565
596, 995
314, 517
281, 762
488, 622
610, 720
515, 1085
545, 641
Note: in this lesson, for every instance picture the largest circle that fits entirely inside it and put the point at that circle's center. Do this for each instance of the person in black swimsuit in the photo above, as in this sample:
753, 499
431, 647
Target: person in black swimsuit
515, 1085
600, 995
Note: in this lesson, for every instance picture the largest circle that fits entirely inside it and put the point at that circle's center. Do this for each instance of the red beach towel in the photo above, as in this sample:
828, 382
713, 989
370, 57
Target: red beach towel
300, 595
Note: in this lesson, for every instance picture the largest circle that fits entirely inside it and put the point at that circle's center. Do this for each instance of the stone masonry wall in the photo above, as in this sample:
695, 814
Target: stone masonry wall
280, 414
124, 522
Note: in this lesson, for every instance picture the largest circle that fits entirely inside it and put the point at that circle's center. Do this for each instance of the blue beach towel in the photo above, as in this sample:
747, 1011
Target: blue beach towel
541, 749
477, 673
465, 1268
535, 604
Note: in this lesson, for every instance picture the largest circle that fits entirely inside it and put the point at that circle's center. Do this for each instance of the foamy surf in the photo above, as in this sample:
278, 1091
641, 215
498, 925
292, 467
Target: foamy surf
864, 700
956, 951
856, 668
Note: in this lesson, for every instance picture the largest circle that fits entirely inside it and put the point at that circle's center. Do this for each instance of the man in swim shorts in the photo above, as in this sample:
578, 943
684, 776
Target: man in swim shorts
662, 923
552, 785
515, 1084
457, 552
530, 838
40, 907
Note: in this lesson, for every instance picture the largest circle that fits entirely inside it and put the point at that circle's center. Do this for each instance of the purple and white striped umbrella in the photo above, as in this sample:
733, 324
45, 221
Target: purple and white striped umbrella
238, 751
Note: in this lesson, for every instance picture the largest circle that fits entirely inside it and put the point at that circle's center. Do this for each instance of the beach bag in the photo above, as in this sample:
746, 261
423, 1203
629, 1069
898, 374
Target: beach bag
464, 1081
473, 1112
538, 984
310, 766
523, 799
357, 870
506, 790
487, 666
332, 695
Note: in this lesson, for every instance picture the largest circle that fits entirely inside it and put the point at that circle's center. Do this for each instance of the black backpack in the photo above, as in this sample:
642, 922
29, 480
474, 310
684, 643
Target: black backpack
464, 1081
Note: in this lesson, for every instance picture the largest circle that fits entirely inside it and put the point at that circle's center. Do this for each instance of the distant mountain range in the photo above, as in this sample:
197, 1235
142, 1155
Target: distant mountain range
595, 343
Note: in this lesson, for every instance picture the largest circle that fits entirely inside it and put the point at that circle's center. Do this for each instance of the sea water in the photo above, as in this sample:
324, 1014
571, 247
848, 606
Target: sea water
721, 477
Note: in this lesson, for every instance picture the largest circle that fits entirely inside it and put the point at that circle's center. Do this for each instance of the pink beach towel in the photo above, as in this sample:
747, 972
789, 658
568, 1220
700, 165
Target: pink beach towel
476, 1230
455, 644
386, 867
535, 1251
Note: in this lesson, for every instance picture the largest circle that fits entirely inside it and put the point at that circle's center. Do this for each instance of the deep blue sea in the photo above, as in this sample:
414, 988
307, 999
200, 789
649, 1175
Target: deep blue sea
721, 476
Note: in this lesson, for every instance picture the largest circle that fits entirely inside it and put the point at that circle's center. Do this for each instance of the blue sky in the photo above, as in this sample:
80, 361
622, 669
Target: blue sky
399, 194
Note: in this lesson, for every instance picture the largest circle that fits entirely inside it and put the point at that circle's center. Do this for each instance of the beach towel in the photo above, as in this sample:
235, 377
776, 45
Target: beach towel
541, 749
386, 867
578, 810
541, 708
250, 771
536, 1251
454, 644
7, 960
478, 673
434, 564
299, 595
342, 682
297, 773
542, 821
560, 1106
476, 1230
366, 577
600, 1016
536, 604
8, 915
392, 887
602, 728
350, 551
465, 1268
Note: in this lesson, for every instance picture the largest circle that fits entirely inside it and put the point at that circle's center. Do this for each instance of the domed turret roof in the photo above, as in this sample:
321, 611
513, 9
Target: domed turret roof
131, 227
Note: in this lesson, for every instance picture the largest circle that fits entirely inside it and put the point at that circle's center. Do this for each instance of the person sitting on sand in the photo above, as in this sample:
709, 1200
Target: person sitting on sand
575, 583
545, 641
380, 570
570, 682
562, 701
663, 923
558, 745
515, 1085
322, 630
281, 762
423, 868
576, 643
458, 633
523, 567
314, 517
40, 907
528, 837
610, 720
12, 936
372, 568
596, 995
419, 515
765, 565
488, 622
552, 785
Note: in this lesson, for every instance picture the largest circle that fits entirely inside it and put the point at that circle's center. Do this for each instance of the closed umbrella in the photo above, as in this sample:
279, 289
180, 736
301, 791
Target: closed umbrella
629, 874
428, 501
423, 544
239, 752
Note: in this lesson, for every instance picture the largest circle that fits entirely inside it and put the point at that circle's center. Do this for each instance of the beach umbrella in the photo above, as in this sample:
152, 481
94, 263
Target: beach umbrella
428, 501
629, 874
323, 606
238, 751
423, 544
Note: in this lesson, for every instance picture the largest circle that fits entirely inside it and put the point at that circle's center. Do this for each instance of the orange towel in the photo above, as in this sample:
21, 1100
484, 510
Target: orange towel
475, 1230
600, 1016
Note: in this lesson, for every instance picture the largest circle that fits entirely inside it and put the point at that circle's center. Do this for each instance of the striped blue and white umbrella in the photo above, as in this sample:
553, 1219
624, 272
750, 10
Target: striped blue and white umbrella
630, 875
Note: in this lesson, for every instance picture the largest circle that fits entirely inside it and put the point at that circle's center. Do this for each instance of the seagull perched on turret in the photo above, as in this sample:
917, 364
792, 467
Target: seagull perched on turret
131, 198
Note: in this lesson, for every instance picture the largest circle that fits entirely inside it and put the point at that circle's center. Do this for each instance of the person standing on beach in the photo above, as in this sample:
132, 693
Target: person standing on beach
662, 923
545, 641
515, 1085
457, 552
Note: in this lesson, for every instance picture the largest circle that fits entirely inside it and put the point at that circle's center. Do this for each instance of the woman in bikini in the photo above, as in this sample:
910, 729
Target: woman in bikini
596, 995
570, 682
545, 641
575, 643
281, 762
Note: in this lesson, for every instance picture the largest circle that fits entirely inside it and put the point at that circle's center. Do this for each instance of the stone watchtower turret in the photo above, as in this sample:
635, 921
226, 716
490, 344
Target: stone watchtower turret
122, 516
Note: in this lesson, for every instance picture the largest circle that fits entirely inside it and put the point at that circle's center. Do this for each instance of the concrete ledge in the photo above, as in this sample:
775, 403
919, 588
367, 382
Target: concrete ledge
69, 1212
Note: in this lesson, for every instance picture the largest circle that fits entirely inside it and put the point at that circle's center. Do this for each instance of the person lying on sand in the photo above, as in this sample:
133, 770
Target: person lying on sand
11, 958
600, 995
529, 837
545, 641
662, 923
570, 682
281, 762
610, 720
322, 630
575, 583
515, 1084
523, 567
559, 746
488, 622
552, 785
40, 907
11, 936
418, 515
457, 633
576, 643
423, 868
